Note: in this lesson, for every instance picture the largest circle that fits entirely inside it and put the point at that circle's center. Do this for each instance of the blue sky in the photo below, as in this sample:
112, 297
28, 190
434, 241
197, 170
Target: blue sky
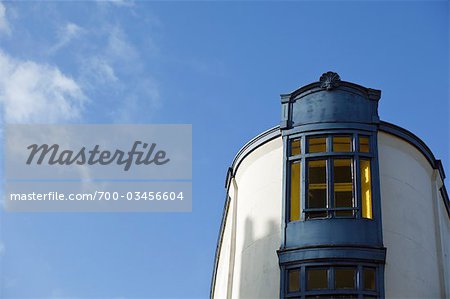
219, 66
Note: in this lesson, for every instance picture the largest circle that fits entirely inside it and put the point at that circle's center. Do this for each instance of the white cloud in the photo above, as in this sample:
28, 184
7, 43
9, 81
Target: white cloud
97, 70
118, 48
66, 34
4, 25
33, 92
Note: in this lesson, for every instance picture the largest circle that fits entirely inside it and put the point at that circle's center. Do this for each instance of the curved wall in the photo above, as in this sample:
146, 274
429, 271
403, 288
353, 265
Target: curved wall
410, 207
248, 263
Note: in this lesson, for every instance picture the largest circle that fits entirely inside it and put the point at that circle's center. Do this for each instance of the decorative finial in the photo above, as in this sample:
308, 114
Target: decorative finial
329, 80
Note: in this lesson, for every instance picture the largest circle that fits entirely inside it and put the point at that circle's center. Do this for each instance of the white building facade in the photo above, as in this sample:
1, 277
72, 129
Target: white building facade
334, 203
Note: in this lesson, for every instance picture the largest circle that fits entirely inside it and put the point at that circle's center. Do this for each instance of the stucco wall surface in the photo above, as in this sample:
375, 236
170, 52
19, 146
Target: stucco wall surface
408, 220
258, 180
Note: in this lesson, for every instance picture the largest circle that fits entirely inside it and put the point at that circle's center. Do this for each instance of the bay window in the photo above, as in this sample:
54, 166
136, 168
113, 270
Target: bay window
331, 280
330, 176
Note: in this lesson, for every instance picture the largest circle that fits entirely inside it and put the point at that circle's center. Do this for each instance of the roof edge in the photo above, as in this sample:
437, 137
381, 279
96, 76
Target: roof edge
249, 147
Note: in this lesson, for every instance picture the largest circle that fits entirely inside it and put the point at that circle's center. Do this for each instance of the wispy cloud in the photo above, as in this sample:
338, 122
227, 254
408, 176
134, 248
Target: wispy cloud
121, 2
97, 70
117, 66
33, 92
4, 25
65, 35
118, 47
98, 59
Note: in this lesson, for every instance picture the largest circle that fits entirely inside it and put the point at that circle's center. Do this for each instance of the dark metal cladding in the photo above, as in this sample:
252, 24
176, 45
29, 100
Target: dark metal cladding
330, 101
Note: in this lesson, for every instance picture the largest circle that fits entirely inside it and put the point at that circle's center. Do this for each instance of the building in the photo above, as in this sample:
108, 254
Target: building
334, 203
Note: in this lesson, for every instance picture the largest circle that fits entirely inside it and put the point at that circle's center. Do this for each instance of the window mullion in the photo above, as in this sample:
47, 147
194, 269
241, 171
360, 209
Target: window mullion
359, 277
331, 274
357, 185
303, 280
330, 187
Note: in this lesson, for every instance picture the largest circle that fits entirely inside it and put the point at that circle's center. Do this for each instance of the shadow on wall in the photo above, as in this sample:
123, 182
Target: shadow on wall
259, 270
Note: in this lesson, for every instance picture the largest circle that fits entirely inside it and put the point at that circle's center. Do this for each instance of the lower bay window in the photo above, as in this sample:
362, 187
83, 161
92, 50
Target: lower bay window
331, 281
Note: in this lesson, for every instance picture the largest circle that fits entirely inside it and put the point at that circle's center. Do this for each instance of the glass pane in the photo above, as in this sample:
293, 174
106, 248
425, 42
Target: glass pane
363, 144
317, 188
295, 147
343, 186
345, 278
317, 279
317, 144
369, 279
342, 144
366, 189
294, 281
295, 192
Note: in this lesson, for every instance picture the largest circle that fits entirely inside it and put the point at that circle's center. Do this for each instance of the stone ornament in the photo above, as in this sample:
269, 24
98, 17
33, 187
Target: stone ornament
329, 80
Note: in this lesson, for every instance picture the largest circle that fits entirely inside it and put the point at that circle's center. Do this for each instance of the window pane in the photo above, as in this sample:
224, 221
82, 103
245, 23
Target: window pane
342, 144
363, 144
366, 189
317, 144
294, 281
295, 147
369, 279
343, 186
345, 278
317, 187
295, 192
317, 279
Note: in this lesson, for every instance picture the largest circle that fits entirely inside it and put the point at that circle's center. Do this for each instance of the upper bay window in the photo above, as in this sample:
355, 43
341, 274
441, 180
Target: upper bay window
330, 176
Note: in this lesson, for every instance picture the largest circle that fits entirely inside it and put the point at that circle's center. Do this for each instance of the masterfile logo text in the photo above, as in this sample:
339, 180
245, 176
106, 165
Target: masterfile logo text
52, 154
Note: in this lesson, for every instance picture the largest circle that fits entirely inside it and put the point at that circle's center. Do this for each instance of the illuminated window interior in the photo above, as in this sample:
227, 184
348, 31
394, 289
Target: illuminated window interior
317, 187
295, 147
342, 144
317, 145
295, 192
363, 144
343, 186
366, 189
